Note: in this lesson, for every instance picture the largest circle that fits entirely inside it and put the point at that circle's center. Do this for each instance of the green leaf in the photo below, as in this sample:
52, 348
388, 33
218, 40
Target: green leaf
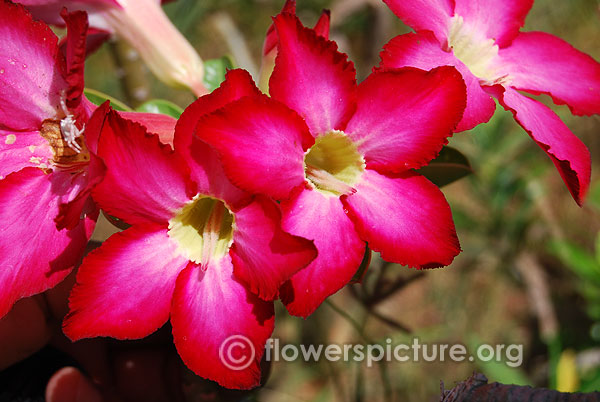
581, 262
98, 98
214, 71
160, 106
362, 269
449, 166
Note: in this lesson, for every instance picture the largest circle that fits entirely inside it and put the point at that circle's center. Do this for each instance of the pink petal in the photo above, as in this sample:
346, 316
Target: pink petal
145, 180
270, 43
538, 62
312, 77
261, 144
323, 24
404, 116
34, 255
30, 80
498, 20
263, 255
320, 218
423, 51
405, 217
206, 169
155, 123
567, 152
425, 15
77, 26
211, 311
19, 149
49, 10
124, 288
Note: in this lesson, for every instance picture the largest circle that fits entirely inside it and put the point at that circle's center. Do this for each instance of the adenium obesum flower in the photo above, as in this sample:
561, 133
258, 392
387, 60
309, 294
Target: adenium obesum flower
269, 51
146, 27
339, 157
200, 252
44, 157
481, 39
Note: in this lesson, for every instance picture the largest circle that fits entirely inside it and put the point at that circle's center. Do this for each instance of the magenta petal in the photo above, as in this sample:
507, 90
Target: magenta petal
155, 123
34, 255
423, 51
30, 80
212, 311
261, 144
538, 62
425, 15
49, 10
77, 26
405, 116
124, 288
263, 255
145, 180
206, 169
498, 20
567, 152
312, 77
19, 149
404, 217
320, 218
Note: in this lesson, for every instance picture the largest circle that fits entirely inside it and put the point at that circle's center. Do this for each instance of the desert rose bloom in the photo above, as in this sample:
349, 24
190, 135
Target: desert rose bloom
481, 39
200, 251
44, 158
339, 157
146, 27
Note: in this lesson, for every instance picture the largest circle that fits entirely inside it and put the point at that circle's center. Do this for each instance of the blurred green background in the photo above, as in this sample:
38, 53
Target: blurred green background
529, 272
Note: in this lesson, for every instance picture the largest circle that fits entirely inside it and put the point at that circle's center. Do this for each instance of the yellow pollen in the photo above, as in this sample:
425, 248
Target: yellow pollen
333, 165
10, 139
203, 229
475, 51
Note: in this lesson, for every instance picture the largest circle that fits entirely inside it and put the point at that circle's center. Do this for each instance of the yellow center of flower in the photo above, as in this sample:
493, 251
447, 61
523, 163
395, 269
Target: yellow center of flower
203, 229
333, 165
475, 51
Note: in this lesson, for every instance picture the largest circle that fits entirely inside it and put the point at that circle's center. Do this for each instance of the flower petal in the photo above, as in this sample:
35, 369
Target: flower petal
211, 311
263, 255
423, 51
425, 15
124, 288
498, 20
155, 123
405, 217
261, 144
19, 149
404, 116
567, 152
34, 255
538, 62
49, 10
77, 26
206, 169
312, 77
320, 218
145, 180
30, 80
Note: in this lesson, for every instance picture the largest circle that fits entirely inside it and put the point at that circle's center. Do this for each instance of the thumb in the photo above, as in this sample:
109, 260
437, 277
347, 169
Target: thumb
70, 385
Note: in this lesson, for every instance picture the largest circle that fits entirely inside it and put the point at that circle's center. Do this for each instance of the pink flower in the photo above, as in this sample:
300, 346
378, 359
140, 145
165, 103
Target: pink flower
145, 26
482, 40
339, 157
200, 251
44, 158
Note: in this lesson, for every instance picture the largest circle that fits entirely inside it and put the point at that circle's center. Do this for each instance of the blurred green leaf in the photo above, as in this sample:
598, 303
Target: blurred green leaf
98, 98
214, 71
577, 259
449, 166
160, 106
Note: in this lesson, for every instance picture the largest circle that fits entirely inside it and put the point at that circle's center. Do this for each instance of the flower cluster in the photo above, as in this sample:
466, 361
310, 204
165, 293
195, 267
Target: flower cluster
251, 197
